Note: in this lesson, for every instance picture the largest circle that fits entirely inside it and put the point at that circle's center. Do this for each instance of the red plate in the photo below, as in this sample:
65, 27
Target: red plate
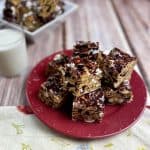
116, 119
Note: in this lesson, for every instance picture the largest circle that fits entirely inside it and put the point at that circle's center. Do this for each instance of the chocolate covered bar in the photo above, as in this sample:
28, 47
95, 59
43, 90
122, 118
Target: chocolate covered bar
118, 66
53, 92
89, 107
85, 73
85, 49
81, 79
90, 55
119, 95
58, 65
88, 52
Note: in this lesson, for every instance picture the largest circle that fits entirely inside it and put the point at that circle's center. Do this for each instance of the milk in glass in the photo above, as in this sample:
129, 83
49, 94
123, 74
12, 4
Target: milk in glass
13, 54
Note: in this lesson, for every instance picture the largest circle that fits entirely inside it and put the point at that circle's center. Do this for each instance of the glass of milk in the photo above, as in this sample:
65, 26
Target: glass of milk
13, 52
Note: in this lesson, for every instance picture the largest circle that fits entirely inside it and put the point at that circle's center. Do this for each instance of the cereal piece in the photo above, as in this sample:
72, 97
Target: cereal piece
89, 107
118, 66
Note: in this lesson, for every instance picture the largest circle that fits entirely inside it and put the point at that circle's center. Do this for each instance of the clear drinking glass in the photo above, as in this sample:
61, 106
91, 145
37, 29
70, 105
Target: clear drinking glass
13, 52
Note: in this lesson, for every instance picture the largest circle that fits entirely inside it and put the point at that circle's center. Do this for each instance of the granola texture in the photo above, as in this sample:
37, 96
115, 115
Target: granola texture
59, 64
81, 80
85, 73
92, 78
122, 94
118, 66
53, 92
89, 107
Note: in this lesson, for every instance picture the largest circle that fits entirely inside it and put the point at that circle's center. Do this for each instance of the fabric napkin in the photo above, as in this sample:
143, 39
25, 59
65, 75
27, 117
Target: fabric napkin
23, 131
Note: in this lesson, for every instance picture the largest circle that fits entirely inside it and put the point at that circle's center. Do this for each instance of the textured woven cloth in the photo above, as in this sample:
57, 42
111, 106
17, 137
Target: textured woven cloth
20, 131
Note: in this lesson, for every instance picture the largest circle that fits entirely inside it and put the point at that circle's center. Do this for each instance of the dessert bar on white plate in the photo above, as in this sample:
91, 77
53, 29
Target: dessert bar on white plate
69, 8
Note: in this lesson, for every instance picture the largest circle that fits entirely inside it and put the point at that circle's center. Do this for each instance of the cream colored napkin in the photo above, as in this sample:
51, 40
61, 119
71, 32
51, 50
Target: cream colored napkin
19, 131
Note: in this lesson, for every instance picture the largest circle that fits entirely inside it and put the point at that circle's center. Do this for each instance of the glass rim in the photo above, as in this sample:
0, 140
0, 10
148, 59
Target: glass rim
15, 41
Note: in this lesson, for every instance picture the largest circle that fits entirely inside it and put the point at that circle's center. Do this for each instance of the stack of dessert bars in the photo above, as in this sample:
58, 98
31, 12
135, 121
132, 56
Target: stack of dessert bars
92, 77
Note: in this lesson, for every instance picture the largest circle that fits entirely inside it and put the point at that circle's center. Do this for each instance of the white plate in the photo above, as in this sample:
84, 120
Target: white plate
69, 8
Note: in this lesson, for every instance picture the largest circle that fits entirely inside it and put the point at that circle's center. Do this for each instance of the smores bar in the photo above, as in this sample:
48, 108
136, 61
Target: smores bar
89, 52
119, 95
53, 92
83, 80
58, 65
89, 107
85, 49
118, 66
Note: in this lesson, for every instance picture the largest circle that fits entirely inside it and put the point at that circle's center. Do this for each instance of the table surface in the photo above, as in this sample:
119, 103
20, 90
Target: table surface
114, 23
